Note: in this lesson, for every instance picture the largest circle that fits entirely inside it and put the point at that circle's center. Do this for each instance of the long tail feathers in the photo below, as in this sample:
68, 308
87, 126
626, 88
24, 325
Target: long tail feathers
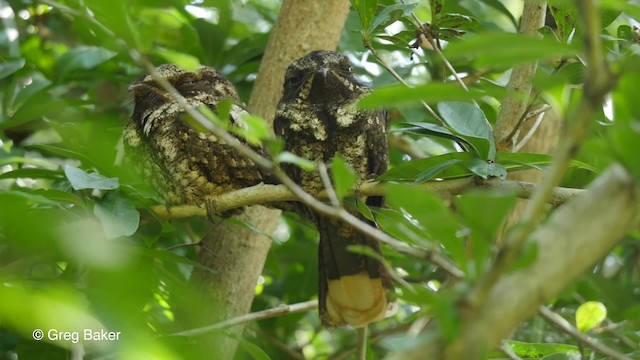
353, 286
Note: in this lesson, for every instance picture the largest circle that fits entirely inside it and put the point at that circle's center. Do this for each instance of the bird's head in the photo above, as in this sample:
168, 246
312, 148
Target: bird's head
321, 77
149, 94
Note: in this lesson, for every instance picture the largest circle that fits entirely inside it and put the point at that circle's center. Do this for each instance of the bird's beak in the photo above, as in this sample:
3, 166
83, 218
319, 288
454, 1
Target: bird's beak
324, 71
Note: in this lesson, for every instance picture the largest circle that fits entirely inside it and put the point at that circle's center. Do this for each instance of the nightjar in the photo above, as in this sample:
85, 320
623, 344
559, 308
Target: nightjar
182, 164
318, 119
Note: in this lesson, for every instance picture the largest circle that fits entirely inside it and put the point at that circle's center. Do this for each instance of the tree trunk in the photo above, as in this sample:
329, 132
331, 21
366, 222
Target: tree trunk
234, 253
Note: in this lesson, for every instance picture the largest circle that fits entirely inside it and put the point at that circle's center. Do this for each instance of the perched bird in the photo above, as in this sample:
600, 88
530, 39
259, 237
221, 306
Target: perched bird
318, 119
182, 164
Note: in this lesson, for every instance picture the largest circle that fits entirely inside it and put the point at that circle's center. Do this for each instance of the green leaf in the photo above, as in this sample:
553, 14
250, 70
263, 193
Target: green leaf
486, 169
344, 178
538, 350
429, 211
10, 67
366, 10
80, 179
185, 61
118, 215
420, 168
289, 157
389, 15
483, 212
398, 95
487, 49
427, 129
468, 121
590, 315
431, 172
32, 173
255, 131
60, 151
83, 58
414, 169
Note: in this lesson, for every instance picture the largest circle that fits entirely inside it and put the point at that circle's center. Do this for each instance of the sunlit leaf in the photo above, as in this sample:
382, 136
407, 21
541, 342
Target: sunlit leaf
366, 10
590, 315
485, 49
399, 95
186, 61
289, 157
344, 178
389, 15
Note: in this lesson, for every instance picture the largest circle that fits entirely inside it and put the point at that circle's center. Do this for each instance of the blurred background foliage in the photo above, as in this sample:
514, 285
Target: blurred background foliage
79, 247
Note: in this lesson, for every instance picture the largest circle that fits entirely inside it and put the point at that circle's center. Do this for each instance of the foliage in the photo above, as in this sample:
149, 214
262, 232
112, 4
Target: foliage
80, 249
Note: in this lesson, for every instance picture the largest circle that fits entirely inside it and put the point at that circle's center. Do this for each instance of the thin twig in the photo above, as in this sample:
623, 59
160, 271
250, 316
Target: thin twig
259, 315
564, 326
328, 188
530, 133
362, 343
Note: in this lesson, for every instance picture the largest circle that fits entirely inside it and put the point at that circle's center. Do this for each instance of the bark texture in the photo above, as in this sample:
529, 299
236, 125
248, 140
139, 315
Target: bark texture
237, 253
302, 26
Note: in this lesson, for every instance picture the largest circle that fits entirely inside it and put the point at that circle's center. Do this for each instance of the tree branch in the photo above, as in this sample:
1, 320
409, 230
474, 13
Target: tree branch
579, 228
520, 82
264, 194
598, 83
564, 326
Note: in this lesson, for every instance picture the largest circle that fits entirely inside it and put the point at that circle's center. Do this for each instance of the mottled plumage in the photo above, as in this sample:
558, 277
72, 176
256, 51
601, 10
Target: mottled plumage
318, 119
181, 163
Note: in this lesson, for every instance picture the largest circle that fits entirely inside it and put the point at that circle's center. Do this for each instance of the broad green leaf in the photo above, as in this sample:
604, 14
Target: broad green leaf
433, 171
344, 178
26, 307
10, 67
590, 315
80, 179
32, 173
468, 121
498, 5
83, 58
538, 350
256, 129
486, 169
118, 215
389, 15
396, 224
399, 95
428, 129
289, 157
186, 61
429, 211
60, 151
414, 169
483, 212
366, 10
487, 49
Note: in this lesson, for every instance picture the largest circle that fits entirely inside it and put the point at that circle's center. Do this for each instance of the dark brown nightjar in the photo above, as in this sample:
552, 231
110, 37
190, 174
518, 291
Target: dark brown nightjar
181, 163
318, 119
